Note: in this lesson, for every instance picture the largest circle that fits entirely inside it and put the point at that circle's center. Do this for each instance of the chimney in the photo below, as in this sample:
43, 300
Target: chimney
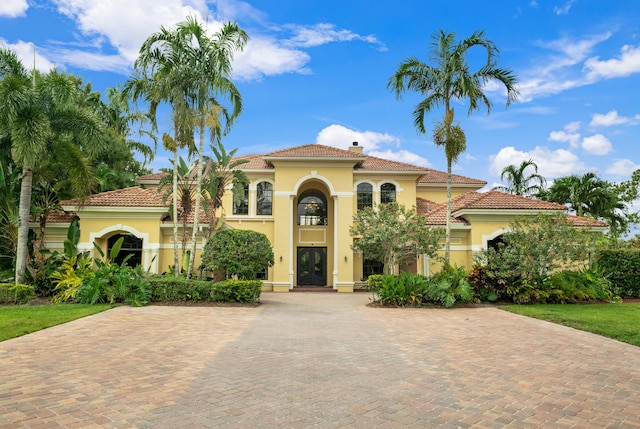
355, 148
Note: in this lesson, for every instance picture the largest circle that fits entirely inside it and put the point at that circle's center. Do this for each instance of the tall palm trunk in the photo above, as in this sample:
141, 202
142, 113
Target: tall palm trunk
23, 223
176, 264
447, 237
196, 215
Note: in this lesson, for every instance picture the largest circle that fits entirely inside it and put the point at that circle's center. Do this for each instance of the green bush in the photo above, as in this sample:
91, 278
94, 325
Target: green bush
449, 286
402, 290
237, 253
115, 284
11, 293
622, 268
579, 286
180, 289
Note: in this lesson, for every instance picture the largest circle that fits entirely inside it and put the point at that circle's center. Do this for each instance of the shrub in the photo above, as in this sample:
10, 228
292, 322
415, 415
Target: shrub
622, 268
402, 290
580, 286
449, 286
237, 252
237, 291
181, 289
11, 293
115, 284
374, 283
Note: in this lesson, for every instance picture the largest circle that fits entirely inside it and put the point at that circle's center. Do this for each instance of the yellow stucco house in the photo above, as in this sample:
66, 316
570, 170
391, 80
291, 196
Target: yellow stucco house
304, 199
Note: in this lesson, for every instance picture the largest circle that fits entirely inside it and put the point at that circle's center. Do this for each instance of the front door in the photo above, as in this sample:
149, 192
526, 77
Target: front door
312, 266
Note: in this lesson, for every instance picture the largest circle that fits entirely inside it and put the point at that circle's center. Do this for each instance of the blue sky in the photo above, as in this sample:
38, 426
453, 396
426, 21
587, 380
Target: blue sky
316, 72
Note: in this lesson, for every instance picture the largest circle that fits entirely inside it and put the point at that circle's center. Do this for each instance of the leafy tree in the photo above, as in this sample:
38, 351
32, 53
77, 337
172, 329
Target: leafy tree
450, 80
536, 246
237, 252
44, 119
220, 173
391, 233
520, 184
200, 65
590, 196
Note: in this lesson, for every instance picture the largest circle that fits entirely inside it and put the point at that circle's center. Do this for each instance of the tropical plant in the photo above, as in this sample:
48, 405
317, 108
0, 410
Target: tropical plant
448, 286
392, 234
200, 67
221, 172
42, 116
520, 184
237, 253
183, 194
450, 80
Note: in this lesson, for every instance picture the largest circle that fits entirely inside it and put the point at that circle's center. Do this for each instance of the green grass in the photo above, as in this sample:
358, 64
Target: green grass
19, 320
618, 321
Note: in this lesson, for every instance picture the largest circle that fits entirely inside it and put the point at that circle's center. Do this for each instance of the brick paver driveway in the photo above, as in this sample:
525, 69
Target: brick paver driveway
313, 359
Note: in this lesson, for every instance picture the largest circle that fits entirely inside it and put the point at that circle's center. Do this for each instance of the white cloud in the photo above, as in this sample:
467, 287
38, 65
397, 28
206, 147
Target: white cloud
401, 156
13, 8
264, 57
320, 34
569, 135
608, 119
597, 144
24, 51
551, 163
342, 137
626, 64
622, 167
564, 9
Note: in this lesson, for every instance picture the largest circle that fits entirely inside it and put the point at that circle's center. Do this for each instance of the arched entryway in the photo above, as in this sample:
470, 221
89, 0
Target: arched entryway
313, 234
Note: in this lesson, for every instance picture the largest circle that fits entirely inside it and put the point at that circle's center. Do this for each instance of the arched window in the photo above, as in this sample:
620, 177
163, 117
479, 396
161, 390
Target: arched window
264, 198
312, 208
131, 245
242, 207
365, 195
387, 193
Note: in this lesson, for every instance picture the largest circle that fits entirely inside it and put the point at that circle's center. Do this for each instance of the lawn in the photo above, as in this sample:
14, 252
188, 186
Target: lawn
618, 321
19, 320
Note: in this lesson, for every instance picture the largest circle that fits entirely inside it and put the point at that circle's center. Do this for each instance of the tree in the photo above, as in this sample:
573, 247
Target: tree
451, 80
237, 252
183, 195
201, 66
42, 117
391, 234
221, 172
520, 184
536, 246
590, 196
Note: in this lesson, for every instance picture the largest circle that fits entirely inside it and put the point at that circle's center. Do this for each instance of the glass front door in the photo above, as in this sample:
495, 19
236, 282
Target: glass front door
312, 266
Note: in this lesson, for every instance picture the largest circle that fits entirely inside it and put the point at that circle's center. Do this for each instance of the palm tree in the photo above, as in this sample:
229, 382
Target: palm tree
209, 64
184, 194
42, 116
518, 183
219, 174
450, 80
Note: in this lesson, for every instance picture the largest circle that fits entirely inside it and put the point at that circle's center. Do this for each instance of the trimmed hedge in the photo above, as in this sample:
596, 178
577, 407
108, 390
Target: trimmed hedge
622, 268
11, 293
180, 289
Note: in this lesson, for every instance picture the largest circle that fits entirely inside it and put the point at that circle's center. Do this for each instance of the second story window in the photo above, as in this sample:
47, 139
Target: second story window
242, 207
365, 195
264, 199
312, 208
387, 193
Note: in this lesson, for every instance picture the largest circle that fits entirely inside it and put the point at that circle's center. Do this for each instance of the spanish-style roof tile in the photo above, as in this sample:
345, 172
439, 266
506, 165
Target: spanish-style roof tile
60, 216
586, 222
501, 200
425, 206
314, 151
152, 177
256, 162
435, 176
372, 163
134, 196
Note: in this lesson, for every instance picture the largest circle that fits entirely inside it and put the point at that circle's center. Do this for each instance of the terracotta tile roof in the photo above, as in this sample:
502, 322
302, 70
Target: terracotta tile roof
314, 151
586, 222
425, 206
435, 176
378, 164
256, 162
134, 196
152, 177
60, 216
501, 200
